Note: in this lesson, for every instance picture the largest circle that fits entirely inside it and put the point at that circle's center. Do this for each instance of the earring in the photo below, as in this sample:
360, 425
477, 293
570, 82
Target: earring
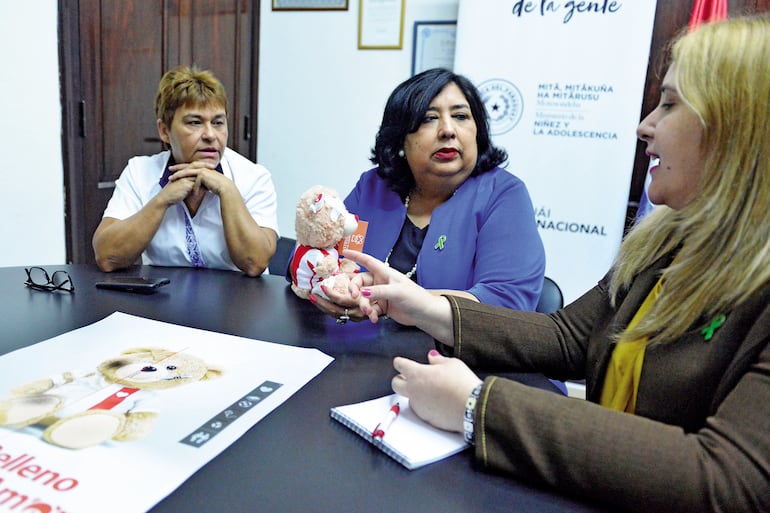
401, 153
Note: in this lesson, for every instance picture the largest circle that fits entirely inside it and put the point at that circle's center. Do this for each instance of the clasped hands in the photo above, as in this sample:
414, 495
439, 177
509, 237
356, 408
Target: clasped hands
193, 180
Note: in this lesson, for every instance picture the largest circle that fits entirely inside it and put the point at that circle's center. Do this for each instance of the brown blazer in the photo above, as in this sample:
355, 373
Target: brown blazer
700, 438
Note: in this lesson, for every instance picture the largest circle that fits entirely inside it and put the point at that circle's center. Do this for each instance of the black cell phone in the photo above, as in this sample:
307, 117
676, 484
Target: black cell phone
138, 284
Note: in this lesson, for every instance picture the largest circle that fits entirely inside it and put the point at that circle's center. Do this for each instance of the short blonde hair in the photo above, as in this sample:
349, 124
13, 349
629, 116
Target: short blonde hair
187, 86
723, 75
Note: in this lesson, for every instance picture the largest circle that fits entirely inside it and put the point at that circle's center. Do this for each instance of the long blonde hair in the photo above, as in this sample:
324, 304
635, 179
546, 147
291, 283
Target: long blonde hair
723, 74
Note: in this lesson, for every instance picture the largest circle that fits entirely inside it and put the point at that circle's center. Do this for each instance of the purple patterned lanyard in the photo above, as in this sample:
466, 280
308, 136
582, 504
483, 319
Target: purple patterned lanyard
192, 242
193, 250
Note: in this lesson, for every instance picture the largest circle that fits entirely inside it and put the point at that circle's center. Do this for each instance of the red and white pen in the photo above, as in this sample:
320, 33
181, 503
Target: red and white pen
385, 423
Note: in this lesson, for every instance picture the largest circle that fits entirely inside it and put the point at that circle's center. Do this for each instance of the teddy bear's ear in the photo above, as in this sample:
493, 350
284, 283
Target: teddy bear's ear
211, 373
155, 353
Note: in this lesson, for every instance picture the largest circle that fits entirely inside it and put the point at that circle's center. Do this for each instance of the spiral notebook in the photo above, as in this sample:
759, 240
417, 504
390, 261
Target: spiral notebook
409, 440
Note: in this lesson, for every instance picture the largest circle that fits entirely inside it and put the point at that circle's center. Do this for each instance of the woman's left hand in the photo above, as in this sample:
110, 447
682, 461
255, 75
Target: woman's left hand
437, 391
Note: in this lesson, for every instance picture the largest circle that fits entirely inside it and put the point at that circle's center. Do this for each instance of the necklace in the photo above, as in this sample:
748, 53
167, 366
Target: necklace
411, 271
387, 258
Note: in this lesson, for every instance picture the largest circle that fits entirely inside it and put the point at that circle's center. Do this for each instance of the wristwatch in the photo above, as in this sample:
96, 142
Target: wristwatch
470, 409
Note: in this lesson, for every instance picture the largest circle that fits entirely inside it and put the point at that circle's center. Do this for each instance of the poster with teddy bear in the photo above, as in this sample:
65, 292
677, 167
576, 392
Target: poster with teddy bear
116, 395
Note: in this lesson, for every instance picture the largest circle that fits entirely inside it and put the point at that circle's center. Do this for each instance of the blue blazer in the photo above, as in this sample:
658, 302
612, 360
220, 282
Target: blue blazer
491, 246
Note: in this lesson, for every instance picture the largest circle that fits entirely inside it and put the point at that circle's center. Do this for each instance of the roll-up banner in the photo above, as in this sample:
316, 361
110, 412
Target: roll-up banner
563, 83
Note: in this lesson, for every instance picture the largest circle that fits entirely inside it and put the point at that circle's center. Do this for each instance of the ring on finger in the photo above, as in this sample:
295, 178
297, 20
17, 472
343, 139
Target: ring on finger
342, 319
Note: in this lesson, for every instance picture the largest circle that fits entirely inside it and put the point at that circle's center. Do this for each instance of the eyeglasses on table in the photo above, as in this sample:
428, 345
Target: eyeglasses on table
39, 279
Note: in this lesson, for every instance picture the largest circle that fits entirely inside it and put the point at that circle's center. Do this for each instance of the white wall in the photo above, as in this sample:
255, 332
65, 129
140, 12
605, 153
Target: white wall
320, 104
32, 183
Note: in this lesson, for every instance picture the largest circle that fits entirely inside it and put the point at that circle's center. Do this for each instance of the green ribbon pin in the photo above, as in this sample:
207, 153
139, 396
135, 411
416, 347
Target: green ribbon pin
440, 244
709, 330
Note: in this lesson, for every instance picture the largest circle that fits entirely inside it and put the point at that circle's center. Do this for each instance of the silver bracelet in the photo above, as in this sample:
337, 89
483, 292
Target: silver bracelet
470, 409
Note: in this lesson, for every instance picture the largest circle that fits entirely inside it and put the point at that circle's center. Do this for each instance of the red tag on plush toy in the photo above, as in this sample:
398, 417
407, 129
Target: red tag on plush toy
355, 240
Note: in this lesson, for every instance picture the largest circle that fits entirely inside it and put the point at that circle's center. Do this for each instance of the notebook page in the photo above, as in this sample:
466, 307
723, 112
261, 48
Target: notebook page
409, 440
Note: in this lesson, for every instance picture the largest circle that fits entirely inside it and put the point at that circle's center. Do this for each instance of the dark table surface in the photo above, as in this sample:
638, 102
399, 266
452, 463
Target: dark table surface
297, 459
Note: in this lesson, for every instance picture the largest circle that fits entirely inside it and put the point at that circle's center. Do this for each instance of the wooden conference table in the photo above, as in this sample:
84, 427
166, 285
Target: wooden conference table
297, 459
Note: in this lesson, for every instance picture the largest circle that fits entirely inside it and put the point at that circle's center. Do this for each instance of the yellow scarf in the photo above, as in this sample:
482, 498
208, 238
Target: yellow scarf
622, 380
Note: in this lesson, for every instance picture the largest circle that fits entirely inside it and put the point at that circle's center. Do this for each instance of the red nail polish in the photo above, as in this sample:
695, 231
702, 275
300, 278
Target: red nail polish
312, 299
366, 292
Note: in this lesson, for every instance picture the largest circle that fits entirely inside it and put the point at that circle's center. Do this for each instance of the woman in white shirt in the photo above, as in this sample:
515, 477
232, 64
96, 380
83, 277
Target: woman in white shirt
197, 204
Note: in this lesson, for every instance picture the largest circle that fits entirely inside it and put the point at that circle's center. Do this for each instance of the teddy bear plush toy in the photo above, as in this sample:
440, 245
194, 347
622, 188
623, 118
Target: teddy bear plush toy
321, 222
79, 410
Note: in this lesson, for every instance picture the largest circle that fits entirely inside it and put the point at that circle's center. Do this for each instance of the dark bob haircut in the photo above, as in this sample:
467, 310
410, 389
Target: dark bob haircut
404, 112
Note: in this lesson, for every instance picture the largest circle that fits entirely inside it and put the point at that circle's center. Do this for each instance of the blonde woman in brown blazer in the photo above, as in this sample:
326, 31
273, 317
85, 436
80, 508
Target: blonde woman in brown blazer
673, 343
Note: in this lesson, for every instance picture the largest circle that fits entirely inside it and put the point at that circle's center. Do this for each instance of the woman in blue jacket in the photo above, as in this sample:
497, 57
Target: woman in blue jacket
438, 206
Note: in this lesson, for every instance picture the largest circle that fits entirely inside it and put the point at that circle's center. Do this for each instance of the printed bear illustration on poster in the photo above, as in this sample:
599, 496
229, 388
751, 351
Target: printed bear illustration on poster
132, 402
114, 402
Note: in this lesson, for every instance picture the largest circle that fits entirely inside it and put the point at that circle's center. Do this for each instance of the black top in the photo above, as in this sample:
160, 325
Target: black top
403, 257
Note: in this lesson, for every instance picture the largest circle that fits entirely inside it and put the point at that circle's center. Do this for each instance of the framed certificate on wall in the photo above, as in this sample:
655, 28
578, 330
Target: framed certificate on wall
380, 24
434, 45
310, 5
